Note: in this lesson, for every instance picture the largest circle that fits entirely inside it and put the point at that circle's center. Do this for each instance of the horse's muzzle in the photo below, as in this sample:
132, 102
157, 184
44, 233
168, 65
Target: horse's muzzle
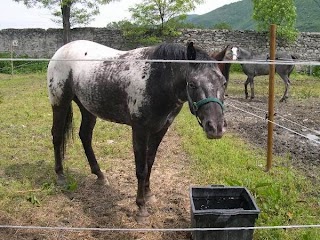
215, 130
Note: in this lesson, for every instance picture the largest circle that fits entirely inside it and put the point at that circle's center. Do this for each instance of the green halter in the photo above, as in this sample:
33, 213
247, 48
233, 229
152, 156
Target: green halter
202, 102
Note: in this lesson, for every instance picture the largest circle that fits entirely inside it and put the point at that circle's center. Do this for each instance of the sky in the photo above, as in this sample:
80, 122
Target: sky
16, 15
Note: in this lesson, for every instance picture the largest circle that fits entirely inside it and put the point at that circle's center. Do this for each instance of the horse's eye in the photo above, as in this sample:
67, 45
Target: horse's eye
192, 85
225, 84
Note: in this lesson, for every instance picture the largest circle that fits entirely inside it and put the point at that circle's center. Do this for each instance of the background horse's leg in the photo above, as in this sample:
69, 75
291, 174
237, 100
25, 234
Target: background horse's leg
140, 140
252, 88
88, 122
246, 87
62, 118
286, 82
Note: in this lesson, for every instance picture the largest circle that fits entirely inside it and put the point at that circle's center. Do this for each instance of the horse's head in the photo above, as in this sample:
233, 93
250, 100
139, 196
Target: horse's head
239, 53
205, 92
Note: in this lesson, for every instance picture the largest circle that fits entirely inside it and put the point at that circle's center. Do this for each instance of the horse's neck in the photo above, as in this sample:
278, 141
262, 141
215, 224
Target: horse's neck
180, 85
250, 55
246, 54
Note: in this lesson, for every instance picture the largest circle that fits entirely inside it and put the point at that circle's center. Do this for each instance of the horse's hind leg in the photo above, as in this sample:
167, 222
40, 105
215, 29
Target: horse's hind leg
62, 118
252, 88
286, 81
246, 87
88, 122
140, 139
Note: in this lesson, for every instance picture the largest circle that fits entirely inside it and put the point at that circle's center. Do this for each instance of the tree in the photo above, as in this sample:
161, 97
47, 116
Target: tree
222, 25
162, 15
282, 13
71, 12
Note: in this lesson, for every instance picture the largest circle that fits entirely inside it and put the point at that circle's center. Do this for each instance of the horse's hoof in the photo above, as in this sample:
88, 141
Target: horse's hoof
151, 198
142, 219
142, 216
61, 180
102, 181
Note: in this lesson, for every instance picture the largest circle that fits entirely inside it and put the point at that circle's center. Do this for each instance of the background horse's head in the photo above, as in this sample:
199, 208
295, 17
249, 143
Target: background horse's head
235, 53
239, 53
205, 92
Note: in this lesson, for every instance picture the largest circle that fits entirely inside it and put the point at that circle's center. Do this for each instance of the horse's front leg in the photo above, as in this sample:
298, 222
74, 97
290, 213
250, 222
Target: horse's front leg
140, 140
153, 144
246, 87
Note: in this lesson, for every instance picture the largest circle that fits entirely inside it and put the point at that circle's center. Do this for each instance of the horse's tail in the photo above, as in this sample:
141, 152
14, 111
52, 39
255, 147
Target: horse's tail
68, 128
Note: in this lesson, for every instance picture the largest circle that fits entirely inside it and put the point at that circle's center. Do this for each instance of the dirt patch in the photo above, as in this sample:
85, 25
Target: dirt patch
113, 206
294, 119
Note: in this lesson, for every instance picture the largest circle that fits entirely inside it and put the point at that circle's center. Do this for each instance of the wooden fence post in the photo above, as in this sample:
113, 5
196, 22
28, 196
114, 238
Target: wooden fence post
271, 95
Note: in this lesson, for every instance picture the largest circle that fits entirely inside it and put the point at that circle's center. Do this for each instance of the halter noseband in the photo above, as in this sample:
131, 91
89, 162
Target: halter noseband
202, 102
195, 106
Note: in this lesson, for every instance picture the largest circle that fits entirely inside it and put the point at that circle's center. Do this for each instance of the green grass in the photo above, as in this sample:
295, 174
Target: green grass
284, 195
26, 156
21, 67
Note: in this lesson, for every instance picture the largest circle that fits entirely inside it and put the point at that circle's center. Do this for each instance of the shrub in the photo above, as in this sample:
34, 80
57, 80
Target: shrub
316, 71
21, 67
236, 67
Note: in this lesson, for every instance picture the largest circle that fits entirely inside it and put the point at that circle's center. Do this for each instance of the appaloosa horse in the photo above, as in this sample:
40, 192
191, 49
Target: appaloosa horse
127, 87
252, 70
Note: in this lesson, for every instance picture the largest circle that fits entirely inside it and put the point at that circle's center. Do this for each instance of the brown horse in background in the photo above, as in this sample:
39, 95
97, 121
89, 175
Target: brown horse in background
225, 54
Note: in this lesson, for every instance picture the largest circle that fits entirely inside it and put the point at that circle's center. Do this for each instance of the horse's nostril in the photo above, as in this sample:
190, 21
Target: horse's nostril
210, 126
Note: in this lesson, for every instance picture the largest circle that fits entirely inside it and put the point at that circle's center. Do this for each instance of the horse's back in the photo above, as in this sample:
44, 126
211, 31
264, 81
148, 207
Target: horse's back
107, 88
69, 64
82, 49
74, 55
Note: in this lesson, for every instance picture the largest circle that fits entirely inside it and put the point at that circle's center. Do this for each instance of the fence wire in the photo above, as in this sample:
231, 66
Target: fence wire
277, 62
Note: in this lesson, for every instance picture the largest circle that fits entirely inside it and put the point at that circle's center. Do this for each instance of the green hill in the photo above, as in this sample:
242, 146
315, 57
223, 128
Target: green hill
239, 16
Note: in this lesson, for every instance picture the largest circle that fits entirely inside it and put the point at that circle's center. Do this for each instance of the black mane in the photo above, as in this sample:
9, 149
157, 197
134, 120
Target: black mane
174, 51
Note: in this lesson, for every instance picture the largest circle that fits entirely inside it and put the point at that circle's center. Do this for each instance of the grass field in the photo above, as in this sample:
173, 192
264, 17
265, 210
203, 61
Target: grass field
284, 195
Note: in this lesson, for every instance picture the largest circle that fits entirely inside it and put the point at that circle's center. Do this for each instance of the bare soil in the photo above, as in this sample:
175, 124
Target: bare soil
113, 205
296, 124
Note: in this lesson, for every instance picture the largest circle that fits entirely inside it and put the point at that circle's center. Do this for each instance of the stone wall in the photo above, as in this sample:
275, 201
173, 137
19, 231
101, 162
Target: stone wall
43, 43
307, 45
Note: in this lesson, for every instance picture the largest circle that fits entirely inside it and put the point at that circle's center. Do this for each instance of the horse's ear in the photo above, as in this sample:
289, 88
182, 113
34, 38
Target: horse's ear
220, 56
191, 52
